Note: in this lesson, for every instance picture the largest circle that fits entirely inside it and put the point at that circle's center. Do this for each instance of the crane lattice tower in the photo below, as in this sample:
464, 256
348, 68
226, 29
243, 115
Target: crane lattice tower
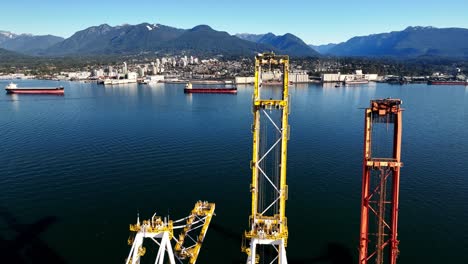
268, 231
380, 183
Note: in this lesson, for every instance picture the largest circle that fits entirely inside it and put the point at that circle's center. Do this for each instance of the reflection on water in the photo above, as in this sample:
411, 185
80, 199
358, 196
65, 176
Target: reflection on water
15, 101
272, 92
329, 85
189, 98
361, 90
243, 86
299, 85
129, 89
152, 89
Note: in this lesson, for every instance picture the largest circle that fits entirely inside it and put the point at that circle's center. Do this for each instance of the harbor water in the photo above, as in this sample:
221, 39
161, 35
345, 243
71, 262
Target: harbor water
76, 169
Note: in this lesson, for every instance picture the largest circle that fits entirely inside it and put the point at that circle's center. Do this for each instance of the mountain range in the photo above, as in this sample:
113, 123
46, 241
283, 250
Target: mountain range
27, 43
145, 37
287, 43
323, 49
409, 43
4, 52
13, 58
412, 42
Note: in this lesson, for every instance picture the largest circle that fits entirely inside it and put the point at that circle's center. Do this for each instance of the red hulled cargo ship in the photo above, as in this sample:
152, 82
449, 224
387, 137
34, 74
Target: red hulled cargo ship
12, 88
447, 83
190, 89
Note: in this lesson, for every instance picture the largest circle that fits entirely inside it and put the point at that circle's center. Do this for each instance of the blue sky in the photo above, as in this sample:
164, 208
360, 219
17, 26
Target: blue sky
316, 22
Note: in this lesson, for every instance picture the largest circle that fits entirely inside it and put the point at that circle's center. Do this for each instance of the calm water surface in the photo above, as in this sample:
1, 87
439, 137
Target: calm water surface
77, 168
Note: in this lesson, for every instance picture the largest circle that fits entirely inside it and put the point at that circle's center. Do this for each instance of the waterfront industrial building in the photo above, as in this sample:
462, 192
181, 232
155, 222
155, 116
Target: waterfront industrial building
338, 77
294, 77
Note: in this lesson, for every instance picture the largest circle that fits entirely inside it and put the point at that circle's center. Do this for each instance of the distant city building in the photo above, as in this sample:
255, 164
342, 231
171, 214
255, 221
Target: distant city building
124, 69
153, 69
76, 75
155, 78
244, 80
15, 76
141, 71
184, 62
111, 72
99, 73
132, 75
330, 77
298, 77
271, 75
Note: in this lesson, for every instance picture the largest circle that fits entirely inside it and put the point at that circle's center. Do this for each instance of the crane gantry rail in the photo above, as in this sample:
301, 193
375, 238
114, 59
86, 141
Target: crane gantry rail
268, 222
156, 228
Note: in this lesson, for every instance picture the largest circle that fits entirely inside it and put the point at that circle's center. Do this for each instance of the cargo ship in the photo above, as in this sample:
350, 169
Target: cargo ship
447, 83
190, 89
12, 88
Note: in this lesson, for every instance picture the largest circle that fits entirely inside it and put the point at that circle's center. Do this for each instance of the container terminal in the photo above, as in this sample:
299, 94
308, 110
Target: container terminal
268, 225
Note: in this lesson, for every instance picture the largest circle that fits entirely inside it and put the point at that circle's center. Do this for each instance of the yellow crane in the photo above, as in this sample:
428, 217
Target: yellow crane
268, 222
161, 231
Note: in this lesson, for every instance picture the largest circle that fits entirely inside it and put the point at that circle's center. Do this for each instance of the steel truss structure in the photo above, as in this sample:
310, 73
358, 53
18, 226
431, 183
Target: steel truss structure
268, 222
380, 187
161, 231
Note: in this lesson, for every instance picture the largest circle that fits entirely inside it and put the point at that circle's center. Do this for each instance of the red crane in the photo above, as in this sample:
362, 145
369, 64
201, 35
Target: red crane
380, 186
